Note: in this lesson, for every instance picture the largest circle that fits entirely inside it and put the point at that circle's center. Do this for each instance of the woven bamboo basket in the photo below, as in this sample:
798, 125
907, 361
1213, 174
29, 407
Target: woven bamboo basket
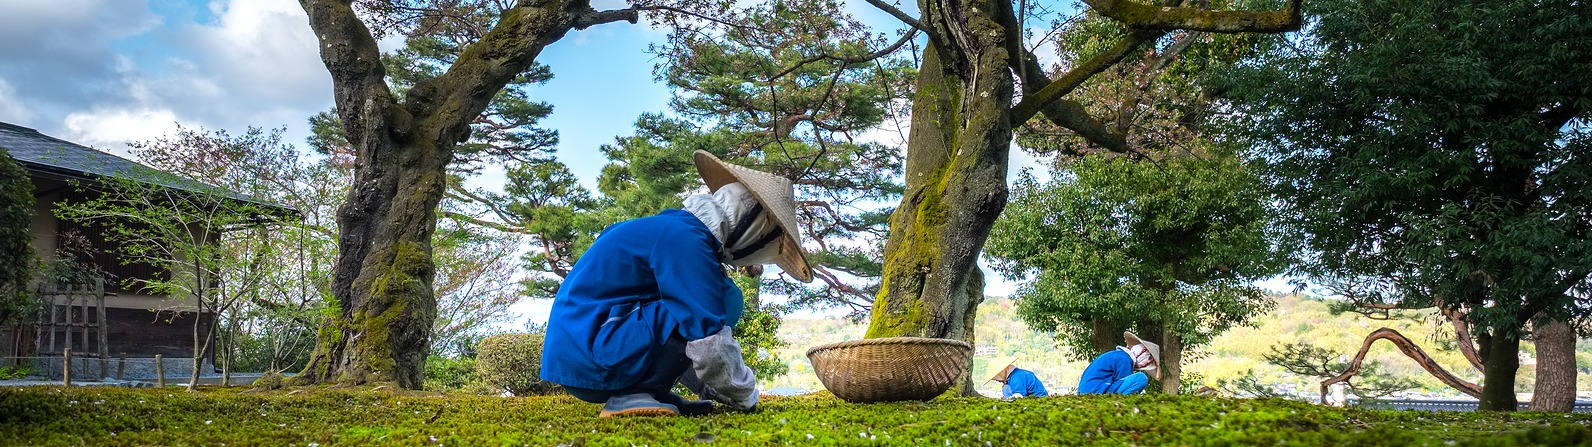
890, 369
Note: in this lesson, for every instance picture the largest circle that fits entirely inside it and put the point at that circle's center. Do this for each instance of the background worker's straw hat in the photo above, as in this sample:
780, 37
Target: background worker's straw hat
1155, 351
777, 196
999, 365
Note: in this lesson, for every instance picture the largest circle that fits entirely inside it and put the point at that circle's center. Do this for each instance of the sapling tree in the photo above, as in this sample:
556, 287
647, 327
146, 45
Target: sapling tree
1457, 179
198, 235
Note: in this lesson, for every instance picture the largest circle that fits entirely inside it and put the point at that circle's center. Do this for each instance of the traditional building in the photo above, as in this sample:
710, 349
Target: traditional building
102, 317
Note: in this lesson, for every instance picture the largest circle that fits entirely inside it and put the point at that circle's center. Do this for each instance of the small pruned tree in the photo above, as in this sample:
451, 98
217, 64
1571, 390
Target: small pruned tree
1309, 360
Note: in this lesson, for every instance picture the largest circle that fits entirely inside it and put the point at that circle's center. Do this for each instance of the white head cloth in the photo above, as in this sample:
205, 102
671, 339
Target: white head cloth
725, 208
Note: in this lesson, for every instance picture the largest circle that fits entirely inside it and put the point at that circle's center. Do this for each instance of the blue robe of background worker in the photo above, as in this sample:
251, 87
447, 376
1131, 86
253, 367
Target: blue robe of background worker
649, 305
1016, 382
1125, 370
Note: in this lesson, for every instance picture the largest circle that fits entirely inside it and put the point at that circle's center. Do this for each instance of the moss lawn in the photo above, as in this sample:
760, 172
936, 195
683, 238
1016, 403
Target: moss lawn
365, 416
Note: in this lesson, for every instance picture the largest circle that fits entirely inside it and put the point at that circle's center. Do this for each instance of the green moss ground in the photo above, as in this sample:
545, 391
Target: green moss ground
120, 416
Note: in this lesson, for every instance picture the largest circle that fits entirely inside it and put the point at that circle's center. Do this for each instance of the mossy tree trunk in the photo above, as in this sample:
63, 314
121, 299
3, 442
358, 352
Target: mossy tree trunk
382, 280
955, 178
1555, 388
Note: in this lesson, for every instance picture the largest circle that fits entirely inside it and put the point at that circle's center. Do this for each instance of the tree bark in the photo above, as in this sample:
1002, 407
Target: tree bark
1501, 354
1555, 388
383, 276
955, 178
1103, 336
1171, 362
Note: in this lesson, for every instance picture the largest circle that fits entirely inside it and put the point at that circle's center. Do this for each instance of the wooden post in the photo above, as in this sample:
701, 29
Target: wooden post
49, 297
160, 372
121, 367
100, 326
66, 367
84, 329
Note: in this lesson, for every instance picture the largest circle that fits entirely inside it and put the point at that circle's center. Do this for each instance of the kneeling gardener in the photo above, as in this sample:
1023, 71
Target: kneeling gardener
649, 304
1122, 370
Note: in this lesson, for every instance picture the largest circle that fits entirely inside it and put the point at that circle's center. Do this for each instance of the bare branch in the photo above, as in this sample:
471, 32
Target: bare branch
903, 17
848, 61
1033, 102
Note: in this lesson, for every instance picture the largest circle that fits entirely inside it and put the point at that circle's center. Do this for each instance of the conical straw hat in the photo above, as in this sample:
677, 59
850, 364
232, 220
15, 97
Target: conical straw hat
998, 365
1155, 351
777, 196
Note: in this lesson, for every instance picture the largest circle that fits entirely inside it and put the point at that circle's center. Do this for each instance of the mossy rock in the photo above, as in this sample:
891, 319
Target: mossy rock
271, 380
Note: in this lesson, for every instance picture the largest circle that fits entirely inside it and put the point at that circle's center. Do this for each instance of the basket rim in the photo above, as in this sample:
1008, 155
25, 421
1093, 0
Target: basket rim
890, 341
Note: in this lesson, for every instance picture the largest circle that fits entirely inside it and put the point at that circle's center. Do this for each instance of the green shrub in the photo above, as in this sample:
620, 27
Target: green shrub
443, 373
512, 362
16, 217
14, 372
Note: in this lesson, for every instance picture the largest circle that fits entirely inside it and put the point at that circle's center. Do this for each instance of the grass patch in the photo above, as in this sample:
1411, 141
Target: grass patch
122, 416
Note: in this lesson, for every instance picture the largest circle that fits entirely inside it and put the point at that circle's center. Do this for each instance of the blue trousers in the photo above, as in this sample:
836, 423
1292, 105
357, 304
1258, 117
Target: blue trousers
1131, 384
668, 364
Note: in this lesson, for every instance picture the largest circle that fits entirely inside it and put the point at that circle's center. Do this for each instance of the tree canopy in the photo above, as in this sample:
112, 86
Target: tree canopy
1172, 246
1436, 153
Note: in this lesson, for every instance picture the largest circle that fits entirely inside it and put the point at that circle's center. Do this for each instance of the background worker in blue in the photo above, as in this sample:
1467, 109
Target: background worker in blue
649, 304
1015, 382
1124, 370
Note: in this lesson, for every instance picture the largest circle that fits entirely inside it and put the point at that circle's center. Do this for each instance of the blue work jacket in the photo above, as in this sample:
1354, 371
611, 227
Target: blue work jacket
1022, 382
1105, 371
642, 282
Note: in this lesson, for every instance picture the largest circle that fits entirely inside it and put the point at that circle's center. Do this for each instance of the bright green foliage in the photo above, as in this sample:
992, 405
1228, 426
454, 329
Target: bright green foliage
101, 416
513, 362
17, 262
1436, 151
1174, 243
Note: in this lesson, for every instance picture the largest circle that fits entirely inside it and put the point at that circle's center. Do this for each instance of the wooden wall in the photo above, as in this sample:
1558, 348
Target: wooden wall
138, 333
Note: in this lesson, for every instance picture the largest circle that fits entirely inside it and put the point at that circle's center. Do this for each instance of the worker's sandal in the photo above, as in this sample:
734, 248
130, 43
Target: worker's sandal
639, 404
687, 407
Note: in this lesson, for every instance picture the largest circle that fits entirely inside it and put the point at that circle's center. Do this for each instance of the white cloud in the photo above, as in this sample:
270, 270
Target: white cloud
261, 50
11, 108
111, 128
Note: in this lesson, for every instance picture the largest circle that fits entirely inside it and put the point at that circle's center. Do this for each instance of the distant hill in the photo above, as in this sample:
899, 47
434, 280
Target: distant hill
1297, 318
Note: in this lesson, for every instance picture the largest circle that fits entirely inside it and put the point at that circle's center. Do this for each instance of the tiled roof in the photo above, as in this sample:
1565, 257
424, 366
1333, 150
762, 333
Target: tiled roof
44, 153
